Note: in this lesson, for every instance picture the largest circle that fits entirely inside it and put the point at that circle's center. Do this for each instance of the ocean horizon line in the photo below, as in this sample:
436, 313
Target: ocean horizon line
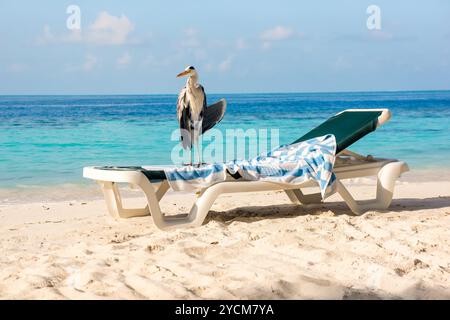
220, 93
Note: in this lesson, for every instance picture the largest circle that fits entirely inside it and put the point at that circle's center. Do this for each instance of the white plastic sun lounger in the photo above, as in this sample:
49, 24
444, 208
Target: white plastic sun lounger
347, 126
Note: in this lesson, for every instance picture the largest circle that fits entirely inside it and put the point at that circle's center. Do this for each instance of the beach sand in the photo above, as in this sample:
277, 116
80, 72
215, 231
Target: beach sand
252, 246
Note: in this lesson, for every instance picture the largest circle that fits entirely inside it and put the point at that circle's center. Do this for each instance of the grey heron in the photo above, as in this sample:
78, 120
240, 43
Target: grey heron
194, 116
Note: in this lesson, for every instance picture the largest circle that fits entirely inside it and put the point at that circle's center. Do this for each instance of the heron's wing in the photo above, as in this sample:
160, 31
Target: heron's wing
184, 115
204, 97
213, 114
181, 102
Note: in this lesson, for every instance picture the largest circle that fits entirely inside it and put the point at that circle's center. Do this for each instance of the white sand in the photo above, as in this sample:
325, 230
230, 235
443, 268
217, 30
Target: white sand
273, 250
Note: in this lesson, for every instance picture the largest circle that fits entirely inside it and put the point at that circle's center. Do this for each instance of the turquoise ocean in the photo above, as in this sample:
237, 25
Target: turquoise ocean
46, 140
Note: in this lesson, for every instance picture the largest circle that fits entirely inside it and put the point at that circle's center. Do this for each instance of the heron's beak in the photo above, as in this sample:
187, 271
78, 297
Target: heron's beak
182, 74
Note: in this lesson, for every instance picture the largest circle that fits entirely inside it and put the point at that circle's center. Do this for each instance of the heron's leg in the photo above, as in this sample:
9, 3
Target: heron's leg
197, 139
201, 158
193, 141
199, 153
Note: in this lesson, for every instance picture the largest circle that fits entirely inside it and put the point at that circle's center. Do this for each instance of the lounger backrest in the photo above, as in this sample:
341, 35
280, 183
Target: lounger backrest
348, 127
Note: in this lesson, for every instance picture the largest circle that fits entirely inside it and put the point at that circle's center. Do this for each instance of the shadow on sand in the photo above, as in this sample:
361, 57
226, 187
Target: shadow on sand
338, 208
283, 289
280, 290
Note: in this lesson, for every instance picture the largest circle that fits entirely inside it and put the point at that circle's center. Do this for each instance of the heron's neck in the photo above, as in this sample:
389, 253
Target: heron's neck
192, 81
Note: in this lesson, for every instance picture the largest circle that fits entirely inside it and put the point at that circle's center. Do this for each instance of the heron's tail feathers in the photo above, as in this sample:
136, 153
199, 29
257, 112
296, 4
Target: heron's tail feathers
186, 141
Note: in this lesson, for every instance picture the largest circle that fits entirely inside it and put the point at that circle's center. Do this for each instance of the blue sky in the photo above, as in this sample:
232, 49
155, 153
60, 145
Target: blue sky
237, 46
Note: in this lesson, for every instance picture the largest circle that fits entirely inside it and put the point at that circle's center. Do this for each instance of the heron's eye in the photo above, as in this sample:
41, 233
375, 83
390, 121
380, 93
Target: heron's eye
191, 68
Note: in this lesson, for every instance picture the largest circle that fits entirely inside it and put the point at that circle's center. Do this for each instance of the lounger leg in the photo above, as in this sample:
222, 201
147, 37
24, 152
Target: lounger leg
164, 186
112, 198
292, 197
385, 189
387, 177
194, 218
298, 197
349, 200
114, 202
201, 207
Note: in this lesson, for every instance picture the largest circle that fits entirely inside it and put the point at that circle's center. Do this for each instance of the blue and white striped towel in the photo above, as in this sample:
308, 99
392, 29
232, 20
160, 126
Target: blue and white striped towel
288, 164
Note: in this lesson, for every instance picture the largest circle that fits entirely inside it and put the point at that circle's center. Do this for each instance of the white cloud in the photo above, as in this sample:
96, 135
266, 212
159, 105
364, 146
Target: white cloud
381, 35
73, 36
241, 44
46, 36
90, 62
277, 33
190, 39
124, 60
225, 65
190, 32
109, 30
189, 47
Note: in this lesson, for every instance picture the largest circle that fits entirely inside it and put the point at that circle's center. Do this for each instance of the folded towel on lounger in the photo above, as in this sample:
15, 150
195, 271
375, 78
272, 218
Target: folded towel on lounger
288, 164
